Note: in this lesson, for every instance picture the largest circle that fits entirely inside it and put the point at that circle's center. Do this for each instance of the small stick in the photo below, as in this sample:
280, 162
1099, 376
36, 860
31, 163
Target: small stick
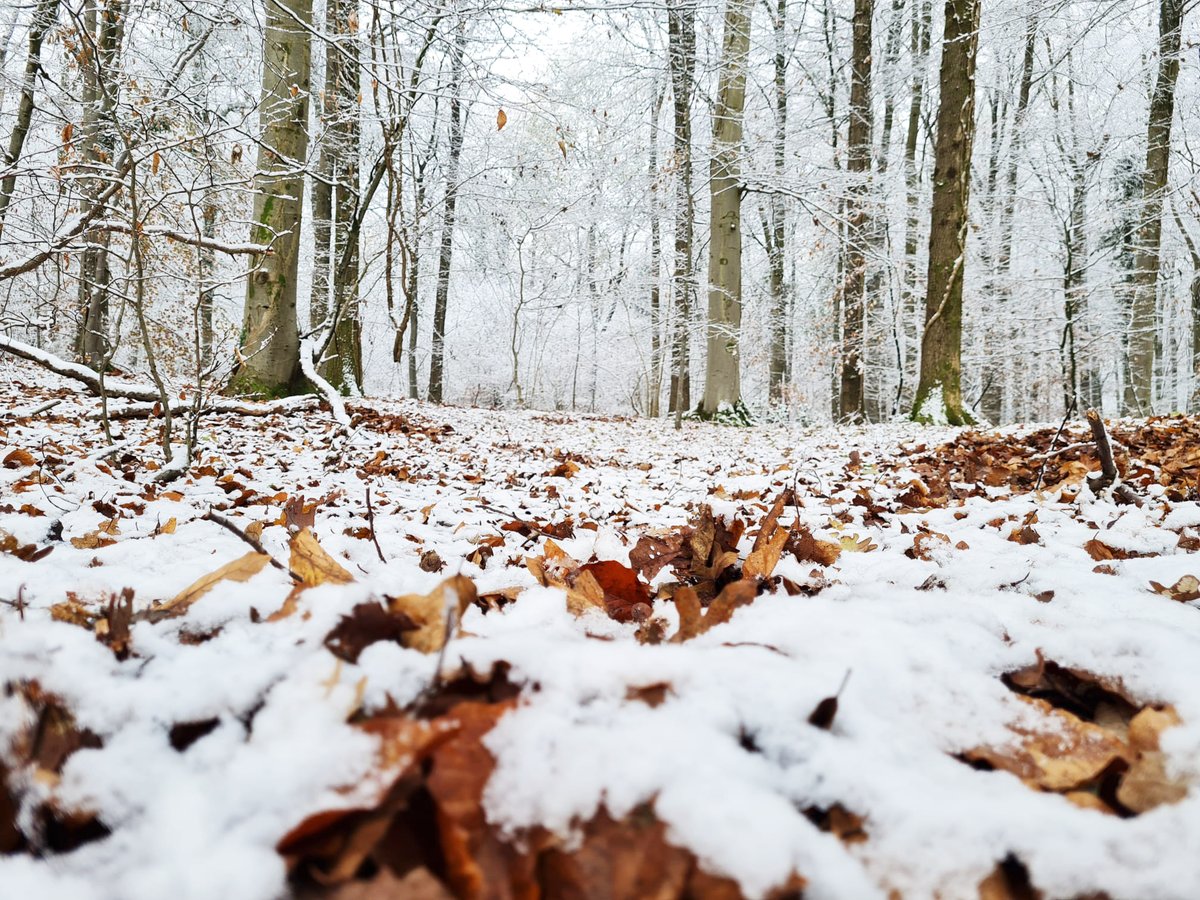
1109, 475
217, 519
371, 523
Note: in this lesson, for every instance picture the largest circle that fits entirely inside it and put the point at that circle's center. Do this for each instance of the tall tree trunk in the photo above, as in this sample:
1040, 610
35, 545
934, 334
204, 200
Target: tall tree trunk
858, 165
722, 378
45, 14
939, 393
654, 388
922, 28
776, 230
446, 250
104, 20
270, 347
1143, 326
681, 61
1001, 368
344, 367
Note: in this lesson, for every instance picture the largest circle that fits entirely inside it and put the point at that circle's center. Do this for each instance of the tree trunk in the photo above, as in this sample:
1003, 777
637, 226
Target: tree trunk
922, 27
939, 393
44, 17
270, 347
1002, 363
654, 388
776, 231
344, 367
722, 378
1143, 327
681, 59
858, 216
446, 250
207, 268
104, 20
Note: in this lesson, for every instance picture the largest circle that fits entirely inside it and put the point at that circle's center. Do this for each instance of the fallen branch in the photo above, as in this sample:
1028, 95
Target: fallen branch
332, 397
214, 406
90, 378
1109, 477
217, 519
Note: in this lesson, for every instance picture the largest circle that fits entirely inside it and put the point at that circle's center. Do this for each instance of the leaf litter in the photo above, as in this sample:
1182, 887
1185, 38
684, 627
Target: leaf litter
558, 656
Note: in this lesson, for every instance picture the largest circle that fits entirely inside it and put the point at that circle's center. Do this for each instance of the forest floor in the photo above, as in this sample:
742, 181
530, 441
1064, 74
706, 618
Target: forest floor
576, 656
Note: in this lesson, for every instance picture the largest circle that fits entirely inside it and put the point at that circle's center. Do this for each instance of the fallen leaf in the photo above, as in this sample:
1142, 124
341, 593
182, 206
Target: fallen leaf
310, 561
368, 623
1184, 590
431, 613
241, 569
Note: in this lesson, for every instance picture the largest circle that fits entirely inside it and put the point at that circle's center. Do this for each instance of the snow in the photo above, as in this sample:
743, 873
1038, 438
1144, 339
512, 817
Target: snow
728, 760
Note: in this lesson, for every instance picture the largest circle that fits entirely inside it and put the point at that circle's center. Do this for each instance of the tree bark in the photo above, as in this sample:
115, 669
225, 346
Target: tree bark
45, 15
775, 232
104, 20
922, 27
446, 250
1143, 326
269, 363
681, 60
654, 388
939, 393
858, 215
722, 379
343, 370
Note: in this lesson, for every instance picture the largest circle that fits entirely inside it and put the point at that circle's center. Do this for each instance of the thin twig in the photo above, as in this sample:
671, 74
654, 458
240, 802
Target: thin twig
217, 519
1042, 471
371, 524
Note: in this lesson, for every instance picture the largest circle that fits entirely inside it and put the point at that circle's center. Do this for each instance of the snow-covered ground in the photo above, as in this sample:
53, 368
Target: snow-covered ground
196, 744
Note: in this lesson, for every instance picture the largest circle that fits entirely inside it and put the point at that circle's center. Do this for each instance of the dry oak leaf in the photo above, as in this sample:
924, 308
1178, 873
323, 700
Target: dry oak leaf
477, 862
334, 843
694, 620
27, 552
1147, 783
1065, 754
806, 548
624, 596
18, 458
241, 569
312, 564
1184, 590
434, 614
768, 546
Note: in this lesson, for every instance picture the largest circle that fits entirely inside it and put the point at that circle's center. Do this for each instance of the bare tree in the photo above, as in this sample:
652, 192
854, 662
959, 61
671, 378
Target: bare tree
722, 378
939, 393
1143, 328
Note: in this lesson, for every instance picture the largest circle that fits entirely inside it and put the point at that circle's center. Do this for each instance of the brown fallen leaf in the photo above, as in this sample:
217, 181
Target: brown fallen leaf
623, 591
1184, 590
431, 613
768, 546
1147, 785
1063, 754
241, 569
694, 620
312, 564
368, 623
18, 459
806, 548
28, 552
